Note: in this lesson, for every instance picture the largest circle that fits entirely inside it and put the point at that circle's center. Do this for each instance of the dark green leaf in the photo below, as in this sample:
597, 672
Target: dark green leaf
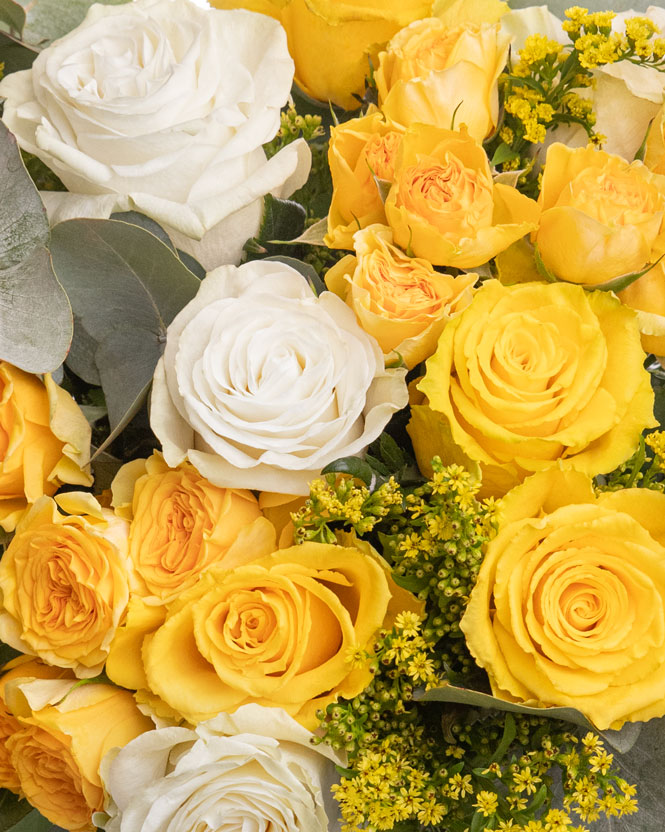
539, 799
377, 465
134, 218
7, 653
125, 286
307, 271
283, 219
193, 265
477, 822
509, 734
659, 405
391, 453
15, 56
12, 810
12, 15
104, 468
354, 466
31, 821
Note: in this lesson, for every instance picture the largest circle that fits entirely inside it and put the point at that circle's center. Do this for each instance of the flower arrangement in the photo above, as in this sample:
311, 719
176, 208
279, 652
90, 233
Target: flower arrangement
332, 427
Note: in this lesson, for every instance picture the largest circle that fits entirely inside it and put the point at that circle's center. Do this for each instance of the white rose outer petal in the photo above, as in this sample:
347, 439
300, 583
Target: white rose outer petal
175, 778
262, 384
162, 107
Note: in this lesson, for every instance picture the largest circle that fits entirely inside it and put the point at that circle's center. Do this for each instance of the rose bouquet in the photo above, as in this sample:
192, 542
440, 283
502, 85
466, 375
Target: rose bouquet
332, 429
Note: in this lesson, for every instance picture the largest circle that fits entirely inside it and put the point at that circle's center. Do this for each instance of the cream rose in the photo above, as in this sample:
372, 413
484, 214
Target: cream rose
262, 384
162, 107
255, 769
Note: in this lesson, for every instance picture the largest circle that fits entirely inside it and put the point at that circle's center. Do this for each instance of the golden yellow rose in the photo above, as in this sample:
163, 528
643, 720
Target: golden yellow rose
647, 296
402, 301
434, 74
533, 375
64, 583
443, 204
64, 733
21, 667
360, 150
654, 152
277, 632
569, 605
346, 32
44, 441
180, 523
602, 217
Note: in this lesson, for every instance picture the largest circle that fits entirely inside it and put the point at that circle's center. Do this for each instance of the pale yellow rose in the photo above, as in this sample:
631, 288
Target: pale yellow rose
361, 151
64, 583
569, 605
402, 301
44, 441
434, 74
276, 632
443, 204
65, 731
647, 296
654, 153
21, 667
602, 217
180, 523
531, 376
346, 32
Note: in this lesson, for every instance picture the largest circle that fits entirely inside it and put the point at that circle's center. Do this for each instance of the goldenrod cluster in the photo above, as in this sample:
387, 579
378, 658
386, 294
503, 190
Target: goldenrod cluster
436, 548
337, 500
293, 126
542, 89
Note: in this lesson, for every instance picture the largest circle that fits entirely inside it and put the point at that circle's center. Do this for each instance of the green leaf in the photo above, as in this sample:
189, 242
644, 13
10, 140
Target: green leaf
134, 218
356, 467
477, 822
30, 821
509, 734
7, 653
48, 20
35, 316
15, 56
125, 286
502, 154
12, 810
312, 236
391, 453
12, 15
283, 219
305, 269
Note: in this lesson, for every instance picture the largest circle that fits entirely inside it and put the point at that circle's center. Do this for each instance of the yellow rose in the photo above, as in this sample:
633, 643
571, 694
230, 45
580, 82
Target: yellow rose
360, 150
602, 217
569, 605
443, 204
330, 40
532, 374
402, 301
434, 74
654, 152
180, 523
64, 583
18, 668
276, 632
64, 733
44, 441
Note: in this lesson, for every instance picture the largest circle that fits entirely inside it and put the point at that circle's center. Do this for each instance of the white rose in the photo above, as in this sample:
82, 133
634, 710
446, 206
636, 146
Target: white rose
252, 770
626, 97
162, 107
262, 384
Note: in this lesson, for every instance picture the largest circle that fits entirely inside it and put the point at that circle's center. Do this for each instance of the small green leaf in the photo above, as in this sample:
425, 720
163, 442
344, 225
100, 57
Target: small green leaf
509, 734
312, 236
502, 154
542, 268
354, 466
477, 822
7, 653
283, 219
391, 453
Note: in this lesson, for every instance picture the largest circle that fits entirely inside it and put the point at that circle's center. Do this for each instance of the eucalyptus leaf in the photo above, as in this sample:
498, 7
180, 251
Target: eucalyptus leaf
135, 218
125, 286
558, 8
35, 316
31, 821
48, 20
12, 15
